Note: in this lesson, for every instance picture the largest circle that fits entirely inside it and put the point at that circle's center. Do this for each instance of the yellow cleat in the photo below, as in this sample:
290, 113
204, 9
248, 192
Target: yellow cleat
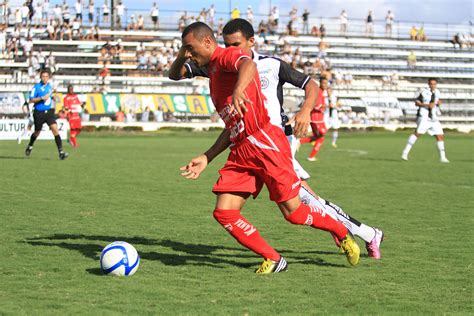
334, 145
269, 266
351, 250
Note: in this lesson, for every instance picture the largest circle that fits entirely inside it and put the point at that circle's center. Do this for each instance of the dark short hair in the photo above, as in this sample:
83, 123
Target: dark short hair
199, 30
44, 70
323, 78
432, 79
69, 86
239, 25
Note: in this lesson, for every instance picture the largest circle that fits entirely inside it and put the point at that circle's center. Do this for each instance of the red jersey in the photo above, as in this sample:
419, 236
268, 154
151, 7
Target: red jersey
317, 114
223, 74
73, 104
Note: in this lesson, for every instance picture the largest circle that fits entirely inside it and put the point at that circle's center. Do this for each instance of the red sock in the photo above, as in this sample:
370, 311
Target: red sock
316, 147
305, 140
317, 218
246, 234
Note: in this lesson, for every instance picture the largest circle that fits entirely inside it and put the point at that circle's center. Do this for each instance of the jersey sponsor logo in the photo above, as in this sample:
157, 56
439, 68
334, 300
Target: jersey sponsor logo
264, 82
309, 220
297, 183
246, 227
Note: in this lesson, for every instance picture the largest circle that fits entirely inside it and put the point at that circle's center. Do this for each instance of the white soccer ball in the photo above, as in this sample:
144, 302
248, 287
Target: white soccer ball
119, 258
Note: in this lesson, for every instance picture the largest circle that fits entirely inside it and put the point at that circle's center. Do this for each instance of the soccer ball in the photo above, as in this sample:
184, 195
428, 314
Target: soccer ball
119, 258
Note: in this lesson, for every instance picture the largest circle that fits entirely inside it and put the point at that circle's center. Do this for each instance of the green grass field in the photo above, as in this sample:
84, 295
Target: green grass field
56, 216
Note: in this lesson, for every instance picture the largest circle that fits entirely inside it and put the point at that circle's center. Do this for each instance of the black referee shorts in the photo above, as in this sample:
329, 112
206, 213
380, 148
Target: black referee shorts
41, 117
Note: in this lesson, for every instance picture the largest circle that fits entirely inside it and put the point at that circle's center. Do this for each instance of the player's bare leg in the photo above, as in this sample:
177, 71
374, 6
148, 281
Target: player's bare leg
298, 213
227, 213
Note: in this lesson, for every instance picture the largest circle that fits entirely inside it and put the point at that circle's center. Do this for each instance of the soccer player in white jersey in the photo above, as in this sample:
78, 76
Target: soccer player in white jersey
273, 74
28, 111
331, 117
428, 103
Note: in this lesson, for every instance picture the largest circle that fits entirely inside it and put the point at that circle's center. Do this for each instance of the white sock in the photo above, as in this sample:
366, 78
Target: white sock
335, 134
411, 141
442, 153
356, 228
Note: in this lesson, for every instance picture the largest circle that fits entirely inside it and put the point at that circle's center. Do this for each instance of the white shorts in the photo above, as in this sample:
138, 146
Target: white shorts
300, 172
427, 125
333, 123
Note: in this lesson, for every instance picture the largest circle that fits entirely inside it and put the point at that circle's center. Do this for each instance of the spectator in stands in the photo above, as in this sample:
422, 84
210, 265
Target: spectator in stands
322, 31
31, 69
76, 29
153, 60
25, 13
182, 23
130, 117
250, 14
369, 25
65, 30
78, 9
323, 45
58, 14
45, 11
140, 22
411, 59
51, 29
413, 33
421, 36
305, 17
51, 63
12, 47
95, 33
347, 78
66, 16
202, 17
119, 12
120, 116
158, 114
154, 13
27, 47
275, 16
315, 31
132, 25
104, 72
105, 12
146, 115
338, 77
41, 58
389, 19
18, 19
211, 16
142, 61
343, 22
235, 14
38, 14
220, 26
90, 11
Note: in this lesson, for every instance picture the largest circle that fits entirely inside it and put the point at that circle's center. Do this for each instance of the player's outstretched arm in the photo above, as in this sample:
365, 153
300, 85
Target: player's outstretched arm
303, 117
247, 71
177, 69
197, 165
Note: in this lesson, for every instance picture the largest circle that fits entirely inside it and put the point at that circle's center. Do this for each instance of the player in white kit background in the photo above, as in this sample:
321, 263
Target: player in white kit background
428, 103
274, 73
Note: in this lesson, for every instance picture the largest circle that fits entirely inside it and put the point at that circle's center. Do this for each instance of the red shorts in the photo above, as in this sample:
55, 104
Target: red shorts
75, 122
319, 129
262, 158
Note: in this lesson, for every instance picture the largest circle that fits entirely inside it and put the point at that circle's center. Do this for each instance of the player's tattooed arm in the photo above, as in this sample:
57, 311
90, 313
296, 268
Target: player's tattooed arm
177, 69
197, 165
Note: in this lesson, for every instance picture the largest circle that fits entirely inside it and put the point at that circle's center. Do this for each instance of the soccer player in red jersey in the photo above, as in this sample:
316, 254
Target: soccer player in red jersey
260, 153
317, 120
72, 105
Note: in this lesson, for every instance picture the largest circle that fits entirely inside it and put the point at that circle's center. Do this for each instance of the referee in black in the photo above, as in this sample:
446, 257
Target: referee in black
42, 97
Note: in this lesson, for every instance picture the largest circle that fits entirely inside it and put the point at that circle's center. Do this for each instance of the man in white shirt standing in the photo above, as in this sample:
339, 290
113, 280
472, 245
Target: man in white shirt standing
119, 11
155, 12
389, 23
427, 120
78, 9
343, 20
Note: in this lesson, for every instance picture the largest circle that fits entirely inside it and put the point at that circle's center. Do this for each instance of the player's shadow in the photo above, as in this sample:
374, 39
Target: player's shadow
172, 253
22, 158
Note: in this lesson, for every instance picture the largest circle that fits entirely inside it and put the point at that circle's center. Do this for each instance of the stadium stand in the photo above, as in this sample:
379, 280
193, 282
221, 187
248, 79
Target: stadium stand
391, 70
